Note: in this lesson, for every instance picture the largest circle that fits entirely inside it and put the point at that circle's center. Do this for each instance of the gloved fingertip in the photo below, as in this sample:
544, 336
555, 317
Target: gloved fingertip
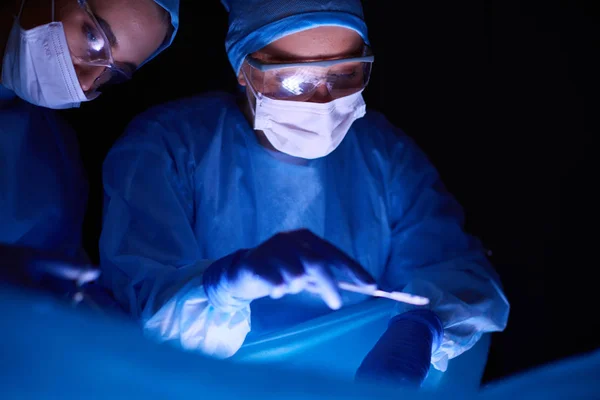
362, 278
277, 292
370, 286
335, 303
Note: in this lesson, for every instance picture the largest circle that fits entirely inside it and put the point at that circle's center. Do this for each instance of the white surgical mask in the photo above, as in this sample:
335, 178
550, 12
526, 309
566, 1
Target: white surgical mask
303, 129
37, 66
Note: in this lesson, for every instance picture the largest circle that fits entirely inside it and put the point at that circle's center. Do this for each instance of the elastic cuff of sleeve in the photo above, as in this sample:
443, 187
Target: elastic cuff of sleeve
428, 318
214, 280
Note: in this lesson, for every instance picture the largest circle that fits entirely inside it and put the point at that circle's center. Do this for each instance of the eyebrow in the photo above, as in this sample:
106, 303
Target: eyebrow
112, 39
284, 59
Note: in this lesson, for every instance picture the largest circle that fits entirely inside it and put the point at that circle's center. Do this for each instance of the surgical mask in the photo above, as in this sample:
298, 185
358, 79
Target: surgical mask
37, 66
303, 129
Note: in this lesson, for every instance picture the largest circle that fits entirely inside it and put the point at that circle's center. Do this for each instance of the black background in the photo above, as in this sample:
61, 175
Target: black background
498, 93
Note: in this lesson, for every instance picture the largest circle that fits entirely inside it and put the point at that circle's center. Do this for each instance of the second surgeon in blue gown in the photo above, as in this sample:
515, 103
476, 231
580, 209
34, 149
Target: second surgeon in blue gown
209, 222
55, 54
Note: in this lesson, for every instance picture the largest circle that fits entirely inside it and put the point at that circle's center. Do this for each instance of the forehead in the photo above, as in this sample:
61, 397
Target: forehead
326, 42
138, 26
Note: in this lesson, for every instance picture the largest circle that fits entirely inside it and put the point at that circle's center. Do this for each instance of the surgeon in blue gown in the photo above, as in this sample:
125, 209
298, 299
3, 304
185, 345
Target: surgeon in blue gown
226, 215
56, 54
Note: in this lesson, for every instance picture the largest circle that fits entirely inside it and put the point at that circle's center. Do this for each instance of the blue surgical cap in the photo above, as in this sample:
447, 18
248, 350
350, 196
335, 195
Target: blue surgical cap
253, 24
172, 7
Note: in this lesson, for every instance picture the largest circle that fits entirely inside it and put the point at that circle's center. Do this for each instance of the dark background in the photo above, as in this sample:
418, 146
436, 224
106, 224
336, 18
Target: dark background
495, 92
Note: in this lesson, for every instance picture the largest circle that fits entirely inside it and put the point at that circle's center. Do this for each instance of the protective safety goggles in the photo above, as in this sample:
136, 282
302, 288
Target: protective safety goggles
299, 81
93, 48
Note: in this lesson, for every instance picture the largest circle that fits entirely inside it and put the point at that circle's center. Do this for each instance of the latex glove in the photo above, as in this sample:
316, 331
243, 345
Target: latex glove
403, 354
286, 263
43, 269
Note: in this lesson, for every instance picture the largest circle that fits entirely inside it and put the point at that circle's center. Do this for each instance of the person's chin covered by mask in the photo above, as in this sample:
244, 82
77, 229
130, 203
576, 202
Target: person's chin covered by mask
60, 53
298, 113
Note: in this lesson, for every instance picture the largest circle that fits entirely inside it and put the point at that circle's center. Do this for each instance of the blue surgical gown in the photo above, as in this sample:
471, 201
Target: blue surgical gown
43, 189
189, 183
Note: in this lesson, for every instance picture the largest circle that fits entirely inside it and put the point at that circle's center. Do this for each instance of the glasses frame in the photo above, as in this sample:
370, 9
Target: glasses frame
110, 64
263, 67
368, 57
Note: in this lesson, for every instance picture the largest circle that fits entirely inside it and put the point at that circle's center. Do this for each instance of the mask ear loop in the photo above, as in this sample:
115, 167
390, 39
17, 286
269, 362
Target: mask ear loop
21, 9
23, 6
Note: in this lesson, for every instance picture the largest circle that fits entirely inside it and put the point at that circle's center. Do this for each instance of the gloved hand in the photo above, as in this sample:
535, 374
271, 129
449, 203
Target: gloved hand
286, 263
403, 354
42, 269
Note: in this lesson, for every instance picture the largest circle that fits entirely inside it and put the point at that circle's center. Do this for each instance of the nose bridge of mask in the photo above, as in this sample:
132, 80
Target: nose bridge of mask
332, 109
305, 117
307, 130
